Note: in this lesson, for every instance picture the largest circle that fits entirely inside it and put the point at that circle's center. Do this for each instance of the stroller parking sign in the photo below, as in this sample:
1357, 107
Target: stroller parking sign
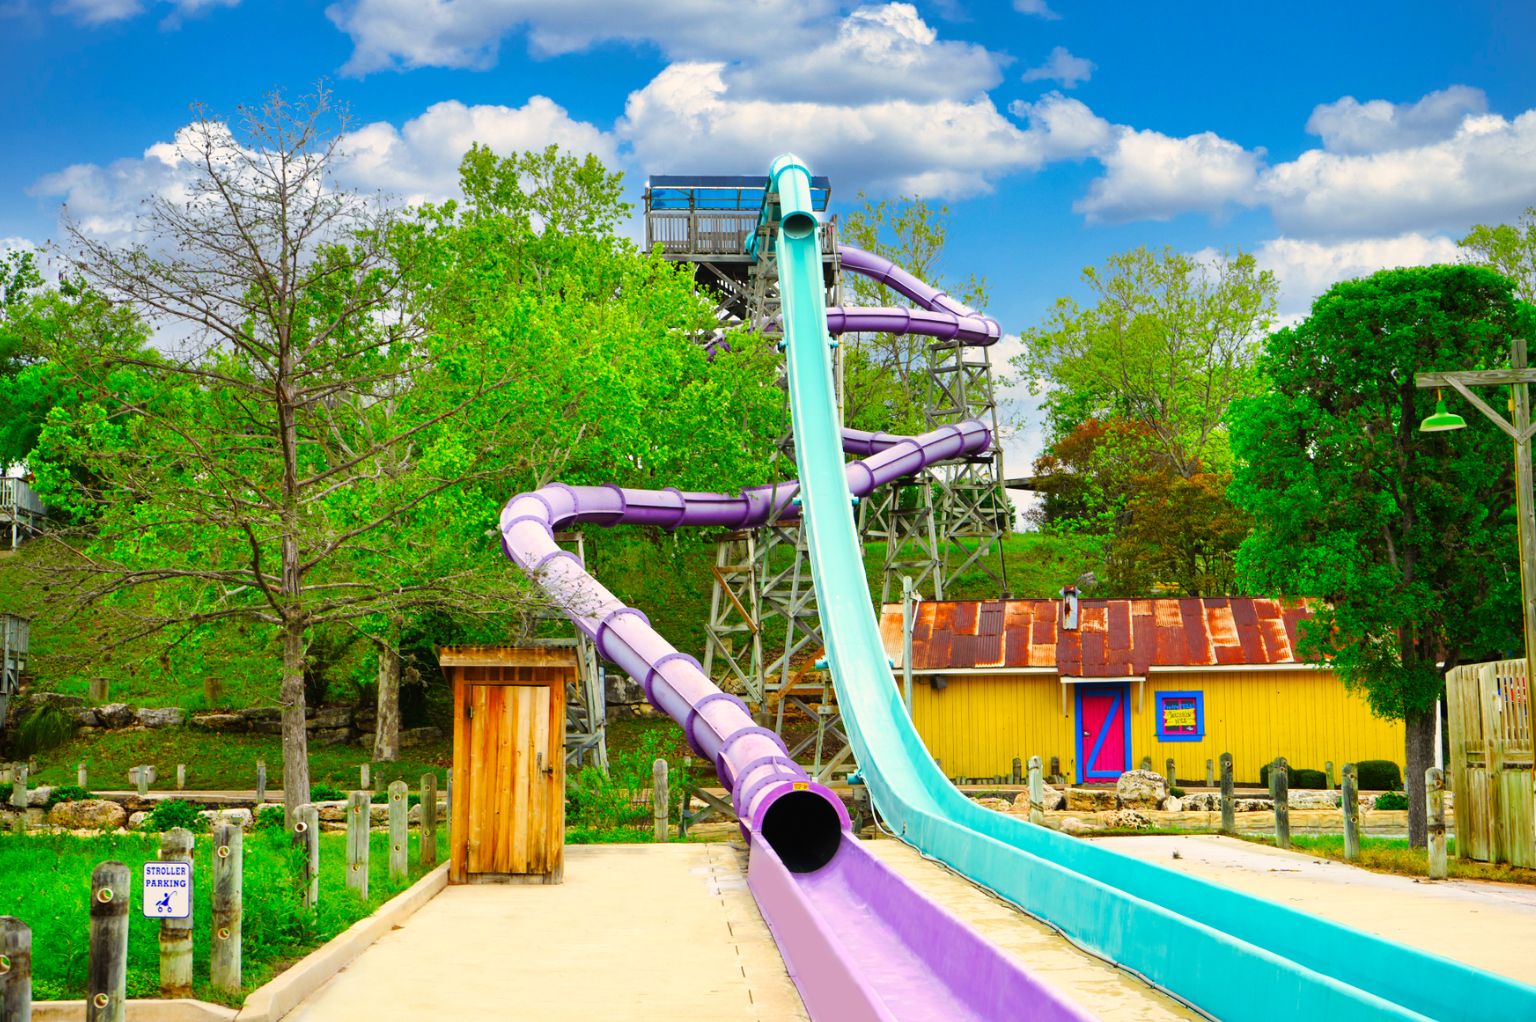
168, 890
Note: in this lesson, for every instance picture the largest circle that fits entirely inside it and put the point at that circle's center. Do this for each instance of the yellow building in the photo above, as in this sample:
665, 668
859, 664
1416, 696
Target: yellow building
1102, 683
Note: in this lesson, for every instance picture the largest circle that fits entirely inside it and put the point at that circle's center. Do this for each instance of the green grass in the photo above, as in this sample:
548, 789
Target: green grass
219, 762
45, 882
1392, 855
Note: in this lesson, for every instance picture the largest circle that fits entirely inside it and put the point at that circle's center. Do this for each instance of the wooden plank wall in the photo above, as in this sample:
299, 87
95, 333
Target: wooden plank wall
979, 723
1493, 762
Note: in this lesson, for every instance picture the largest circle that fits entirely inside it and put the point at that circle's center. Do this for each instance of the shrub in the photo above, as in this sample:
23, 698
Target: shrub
1379, 775
1391, 800
270, 816
382, 798
5, 793
1176, 791
67, 793
1314, 779
326, 793
45, 726
173, 812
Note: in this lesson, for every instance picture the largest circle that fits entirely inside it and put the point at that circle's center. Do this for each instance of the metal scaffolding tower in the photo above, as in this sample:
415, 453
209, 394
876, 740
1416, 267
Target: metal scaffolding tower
586, 704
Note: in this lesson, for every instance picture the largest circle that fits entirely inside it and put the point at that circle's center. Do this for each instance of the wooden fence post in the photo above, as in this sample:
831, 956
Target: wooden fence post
448, 796
261, 781
428, 848
358, 813
1146, 763
1228, 810
1328, 773
19, 786
1280, 778
364, 781
176, 934
142, 780
15, 970
306, 831
82, 776
659, 799
1168, 775
399, 830
107, 969
1036, 793
1055, 767
1349, 800
224, 962
181, 777
1018, 770
1434, 805
1210, 773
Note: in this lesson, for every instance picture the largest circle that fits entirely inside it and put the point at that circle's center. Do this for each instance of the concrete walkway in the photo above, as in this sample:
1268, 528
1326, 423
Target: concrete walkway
642, 932
1487, 925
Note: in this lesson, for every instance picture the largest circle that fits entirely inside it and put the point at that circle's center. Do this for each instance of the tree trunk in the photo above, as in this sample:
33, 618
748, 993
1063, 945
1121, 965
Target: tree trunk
386, 730
1420, 742
295, 738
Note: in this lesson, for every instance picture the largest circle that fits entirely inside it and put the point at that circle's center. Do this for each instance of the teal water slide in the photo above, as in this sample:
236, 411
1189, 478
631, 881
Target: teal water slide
1234, 956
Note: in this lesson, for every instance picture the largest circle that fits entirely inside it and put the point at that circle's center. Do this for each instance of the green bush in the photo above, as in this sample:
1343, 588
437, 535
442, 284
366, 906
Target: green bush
44, 727
67, 793
1176, 791
1379, 775
382, 798
326, 793
1313, 779
5, 793
173, 812
270, 816
1391, 800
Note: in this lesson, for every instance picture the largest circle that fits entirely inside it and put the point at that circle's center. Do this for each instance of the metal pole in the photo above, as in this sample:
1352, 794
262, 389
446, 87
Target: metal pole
906, 642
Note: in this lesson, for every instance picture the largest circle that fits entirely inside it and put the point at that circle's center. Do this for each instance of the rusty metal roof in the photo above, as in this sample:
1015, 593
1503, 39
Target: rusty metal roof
1114, 638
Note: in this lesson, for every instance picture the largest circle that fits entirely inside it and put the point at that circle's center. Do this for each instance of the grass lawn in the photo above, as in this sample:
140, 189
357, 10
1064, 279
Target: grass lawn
1392, 855
45, 882
220, 762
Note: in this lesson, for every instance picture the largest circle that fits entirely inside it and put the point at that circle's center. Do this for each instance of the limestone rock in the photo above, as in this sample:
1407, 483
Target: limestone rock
331, 736
133, 775
39, 796
332, 812
622, 690
267, 727
1090, 800
56, 698
1313, 800
88, 814
1128, 819
220, 722
1201, 801
1075, 827
328, 718
136, 820
1051, 799
255, 713
413, 736
1173, 805
1000, 805
242, 817
85, 716
1141, 789
1252, 805
165, 716
115, 715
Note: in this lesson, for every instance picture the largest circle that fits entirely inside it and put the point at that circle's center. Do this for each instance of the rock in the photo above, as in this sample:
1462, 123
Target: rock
133, 776
1252, 805
1051, 799
328, 718
267, 727
622, 690
56, 698
1128, 819
1201, 801
332, 812
88, 814
1313, 800
220, 722
1141, 789
85, 716
1090, 800
414, 736
331, 736
115, 715
1075, 827
255, 713
365, 717
165, 716
39, 796
136, 820
242, 817
1000, 805
1173, 805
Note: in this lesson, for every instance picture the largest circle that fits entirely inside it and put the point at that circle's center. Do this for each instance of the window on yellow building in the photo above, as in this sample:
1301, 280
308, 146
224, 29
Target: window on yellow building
1180, 716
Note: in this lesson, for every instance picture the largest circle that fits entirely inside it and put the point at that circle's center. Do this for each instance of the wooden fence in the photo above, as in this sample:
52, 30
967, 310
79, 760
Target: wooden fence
1492, 767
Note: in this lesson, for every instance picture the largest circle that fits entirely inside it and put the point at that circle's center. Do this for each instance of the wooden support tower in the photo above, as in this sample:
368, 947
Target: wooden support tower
22, 513
14, 633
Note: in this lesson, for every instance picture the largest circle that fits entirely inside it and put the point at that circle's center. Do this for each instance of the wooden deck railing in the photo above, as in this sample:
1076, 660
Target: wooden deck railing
16, 495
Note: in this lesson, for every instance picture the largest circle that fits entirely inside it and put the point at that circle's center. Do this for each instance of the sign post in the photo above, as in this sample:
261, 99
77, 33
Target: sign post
168, 890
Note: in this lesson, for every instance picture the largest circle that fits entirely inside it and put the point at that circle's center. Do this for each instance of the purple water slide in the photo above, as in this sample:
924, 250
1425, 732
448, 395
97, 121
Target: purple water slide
772, 794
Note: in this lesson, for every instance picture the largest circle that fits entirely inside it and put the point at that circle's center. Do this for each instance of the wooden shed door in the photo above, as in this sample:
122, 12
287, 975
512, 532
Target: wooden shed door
510, 753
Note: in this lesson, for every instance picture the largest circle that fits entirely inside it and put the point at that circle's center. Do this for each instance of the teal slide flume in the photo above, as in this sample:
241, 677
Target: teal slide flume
1234, 956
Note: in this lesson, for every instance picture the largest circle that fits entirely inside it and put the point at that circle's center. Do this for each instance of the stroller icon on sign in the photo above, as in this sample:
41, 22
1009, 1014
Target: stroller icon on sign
164, 904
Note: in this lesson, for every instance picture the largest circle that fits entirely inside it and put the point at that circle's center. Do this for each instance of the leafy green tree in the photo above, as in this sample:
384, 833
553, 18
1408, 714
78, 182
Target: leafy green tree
1168, 342
1408, 538
885, 376
1509, 249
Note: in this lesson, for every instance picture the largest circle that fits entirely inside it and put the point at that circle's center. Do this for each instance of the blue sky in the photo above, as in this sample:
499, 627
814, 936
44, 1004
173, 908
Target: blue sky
1329, 139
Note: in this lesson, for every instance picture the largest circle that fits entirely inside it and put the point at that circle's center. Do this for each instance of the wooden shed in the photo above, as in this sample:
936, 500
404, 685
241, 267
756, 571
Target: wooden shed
508, 822
1102, 683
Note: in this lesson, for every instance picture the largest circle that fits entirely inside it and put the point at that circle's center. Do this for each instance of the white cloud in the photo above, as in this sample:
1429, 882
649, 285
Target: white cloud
1352, 127
1064, 128
1305, 269
1039, 8
468, 33
1061, 66
1152, 176
1482, 172
877, 52
419, 161
100, 12
689, 117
